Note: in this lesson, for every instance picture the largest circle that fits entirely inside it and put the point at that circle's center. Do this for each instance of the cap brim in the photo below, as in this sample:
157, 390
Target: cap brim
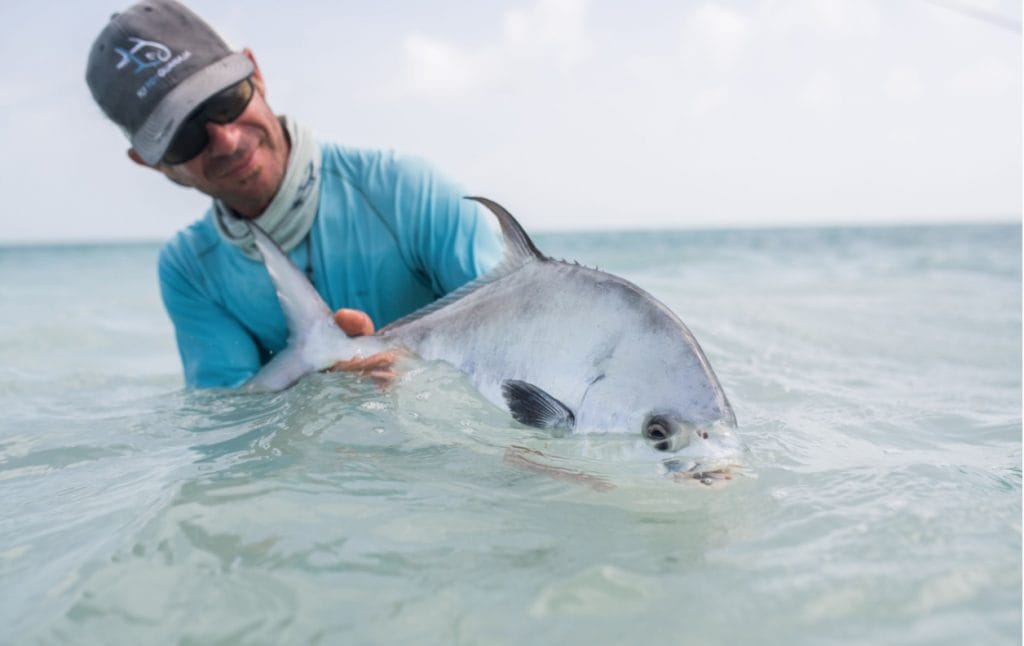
156, 134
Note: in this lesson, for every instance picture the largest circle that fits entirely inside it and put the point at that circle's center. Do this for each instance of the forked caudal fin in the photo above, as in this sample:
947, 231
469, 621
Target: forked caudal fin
306, 313
299, 300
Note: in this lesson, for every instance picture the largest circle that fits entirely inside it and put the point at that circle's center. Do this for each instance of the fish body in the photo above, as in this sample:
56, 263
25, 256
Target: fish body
557, 345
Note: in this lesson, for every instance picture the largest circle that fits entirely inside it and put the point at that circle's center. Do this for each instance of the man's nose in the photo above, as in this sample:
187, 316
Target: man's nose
223, 138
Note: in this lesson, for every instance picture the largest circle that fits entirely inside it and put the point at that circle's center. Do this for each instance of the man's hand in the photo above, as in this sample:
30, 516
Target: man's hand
378, 366
354, 322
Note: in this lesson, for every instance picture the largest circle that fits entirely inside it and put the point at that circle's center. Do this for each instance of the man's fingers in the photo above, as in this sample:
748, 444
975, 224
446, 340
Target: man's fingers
380, 361
377, 366
354, 322
383, 378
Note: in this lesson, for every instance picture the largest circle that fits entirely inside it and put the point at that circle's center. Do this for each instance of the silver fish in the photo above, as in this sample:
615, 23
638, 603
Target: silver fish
557, 345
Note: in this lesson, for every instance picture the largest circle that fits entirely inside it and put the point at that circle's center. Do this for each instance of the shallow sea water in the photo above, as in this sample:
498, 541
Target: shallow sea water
875, 374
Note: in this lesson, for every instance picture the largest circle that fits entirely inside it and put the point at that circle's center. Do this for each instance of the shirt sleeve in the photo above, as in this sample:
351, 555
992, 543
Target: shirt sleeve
216, 351
448, 239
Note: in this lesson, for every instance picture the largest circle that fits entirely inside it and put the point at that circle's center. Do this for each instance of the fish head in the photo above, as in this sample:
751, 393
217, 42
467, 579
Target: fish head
686, 416
670, 433
686, 445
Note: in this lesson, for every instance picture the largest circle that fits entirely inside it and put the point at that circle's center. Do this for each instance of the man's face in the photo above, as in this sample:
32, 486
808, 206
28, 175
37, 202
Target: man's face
245, 160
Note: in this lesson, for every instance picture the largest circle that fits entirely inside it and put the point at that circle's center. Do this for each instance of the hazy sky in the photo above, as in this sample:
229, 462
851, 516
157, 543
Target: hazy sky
573, 113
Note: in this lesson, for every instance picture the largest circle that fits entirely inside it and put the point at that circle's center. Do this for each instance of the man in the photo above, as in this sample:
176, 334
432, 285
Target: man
378, 235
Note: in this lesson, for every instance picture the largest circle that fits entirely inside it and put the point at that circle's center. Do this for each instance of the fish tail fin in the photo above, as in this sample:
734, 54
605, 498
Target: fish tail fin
315, 342
302, 305
286, 368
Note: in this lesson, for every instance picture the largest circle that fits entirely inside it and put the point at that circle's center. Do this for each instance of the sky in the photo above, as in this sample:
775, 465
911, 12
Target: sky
574, 114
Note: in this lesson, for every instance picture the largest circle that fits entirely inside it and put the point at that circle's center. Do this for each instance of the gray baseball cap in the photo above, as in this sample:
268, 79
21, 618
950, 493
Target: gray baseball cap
153, 65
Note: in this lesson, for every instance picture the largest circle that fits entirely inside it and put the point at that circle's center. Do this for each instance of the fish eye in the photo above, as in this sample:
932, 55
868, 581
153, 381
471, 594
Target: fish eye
658, 431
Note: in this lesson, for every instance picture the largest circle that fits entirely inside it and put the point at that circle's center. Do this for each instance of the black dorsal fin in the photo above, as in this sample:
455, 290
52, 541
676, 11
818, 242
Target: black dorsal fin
532, 406
517, 243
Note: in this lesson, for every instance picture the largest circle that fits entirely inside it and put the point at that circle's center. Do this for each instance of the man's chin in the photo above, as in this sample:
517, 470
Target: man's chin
251, 177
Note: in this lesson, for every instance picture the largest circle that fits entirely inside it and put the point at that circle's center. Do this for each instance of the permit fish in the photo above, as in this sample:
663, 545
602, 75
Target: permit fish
559, 346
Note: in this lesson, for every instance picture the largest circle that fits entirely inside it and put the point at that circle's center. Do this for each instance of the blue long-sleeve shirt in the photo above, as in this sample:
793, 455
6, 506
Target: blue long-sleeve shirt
390, 236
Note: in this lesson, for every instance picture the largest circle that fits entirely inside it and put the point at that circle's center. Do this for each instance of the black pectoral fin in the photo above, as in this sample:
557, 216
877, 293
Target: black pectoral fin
532, 406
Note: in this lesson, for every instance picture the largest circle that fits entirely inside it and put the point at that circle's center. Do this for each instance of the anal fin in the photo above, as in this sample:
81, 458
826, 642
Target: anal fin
532, 406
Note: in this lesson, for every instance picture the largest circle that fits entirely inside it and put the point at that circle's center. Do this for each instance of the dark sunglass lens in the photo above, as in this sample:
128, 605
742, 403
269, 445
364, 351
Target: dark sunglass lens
189, 142
229, 104
223, 107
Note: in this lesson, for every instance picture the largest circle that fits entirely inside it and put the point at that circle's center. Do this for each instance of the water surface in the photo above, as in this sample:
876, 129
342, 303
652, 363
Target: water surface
875, 373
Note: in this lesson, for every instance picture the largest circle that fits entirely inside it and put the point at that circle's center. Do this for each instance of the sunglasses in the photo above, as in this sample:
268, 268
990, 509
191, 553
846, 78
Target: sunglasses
223, 107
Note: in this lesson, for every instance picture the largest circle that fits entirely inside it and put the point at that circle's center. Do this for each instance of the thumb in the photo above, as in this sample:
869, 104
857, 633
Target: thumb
354, 322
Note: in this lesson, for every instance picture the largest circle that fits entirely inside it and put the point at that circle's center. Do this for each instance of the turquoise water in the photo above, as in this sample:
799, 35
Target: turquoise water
875, 373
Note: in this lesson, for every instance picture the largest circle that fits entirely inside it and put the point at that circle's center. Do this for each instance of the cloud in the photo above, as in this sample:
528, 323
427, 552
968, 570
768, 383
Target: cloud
986, 78
834, 19
714, 35
903, 84
436, 67
993, 12
551, 30
822, 91
547, 34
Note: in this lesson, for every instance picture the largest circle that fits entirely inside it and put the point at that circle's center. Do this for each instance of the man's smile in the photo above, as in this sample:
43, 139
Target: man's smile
236, 167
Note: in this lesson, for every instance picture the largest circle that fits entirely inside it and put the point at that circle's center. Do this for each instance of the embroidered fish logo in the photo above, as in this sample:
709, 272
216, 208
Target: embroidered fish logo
144, 53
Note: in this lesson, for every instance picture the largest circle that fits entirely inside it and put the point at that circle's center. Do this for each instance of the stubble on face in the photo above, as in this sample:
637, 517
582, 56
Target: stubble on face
244, 163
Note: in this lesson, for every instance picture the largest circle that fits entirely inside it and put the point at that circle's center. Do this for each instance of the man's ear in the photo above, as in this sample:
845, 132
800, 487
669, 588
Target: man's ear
257, 77
160, 168
135, 157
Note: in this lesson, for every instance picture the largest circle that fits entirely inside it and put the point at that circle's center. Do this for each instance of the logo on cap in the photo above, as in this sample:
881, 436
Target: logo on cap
147, 54
144, 53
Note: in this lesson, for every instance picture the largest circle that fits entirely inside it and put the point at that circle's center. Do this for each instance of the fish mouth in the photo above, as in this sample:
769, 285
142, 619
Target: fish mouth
707, 454
687, 470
